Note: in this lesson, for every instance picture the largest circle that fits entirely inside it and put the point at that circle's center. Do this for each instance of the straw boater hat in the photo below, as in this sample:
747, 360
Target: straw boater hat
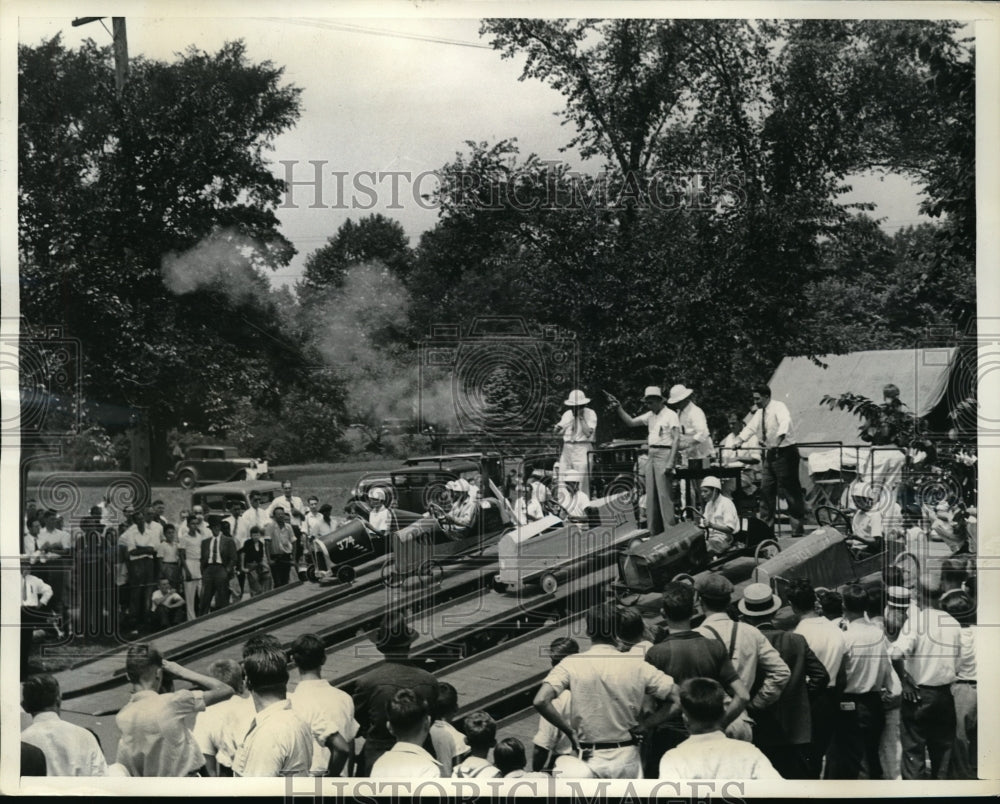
652, 390
898, 597
678, 394
758, 600
576, 398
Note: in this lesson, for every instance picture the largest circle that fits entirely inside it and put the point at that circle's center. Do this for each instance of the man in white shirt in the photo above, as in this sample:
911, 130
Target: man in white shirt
294, 511
664, 436
69, 750
219, 730
772, 424
926, 656
189, 553
826, 640
256, 514
410, 723
708, 753
695, 444
527, 508
875, 518
459, 515
549, 742
577, 427
602, 724
312, 519
861, 715
749, 650
278, 742
141, 541
378, 518
571, 498
965, 754
748, 455
719, 517
155, 739
328, 711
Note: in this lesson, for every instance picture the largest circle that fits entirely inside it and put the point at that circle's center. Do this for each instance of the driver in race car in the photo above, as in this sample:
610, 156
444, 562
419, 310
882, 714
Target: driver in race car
378, 519
462, 509
719, 517
570, 497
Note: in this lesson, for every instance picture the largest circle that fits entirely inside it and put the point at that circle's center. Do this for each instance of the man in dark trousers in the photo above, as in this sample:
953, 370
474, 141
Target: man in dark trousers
373, 691
685, 654
783, 730
218, 563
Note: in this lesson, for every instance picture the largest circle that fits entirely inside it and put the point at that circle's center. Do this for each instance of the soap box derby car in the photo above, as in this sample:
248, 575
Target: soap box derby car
550, 550
417, 537
827, 558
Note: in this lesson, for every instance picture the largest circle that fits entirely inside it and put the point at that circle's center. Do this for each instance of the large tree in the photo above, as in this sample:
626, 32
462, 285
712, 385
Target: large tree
147, 226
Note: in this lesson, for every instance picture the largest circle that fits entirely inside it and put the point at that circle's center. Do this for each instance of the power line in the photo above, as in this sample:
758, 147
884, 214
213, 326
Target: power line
363, 29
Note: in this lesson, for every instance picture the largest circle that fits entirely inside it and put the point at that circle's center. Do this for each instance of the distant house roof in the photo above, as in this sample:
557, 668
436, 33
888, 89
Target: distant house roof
922, 376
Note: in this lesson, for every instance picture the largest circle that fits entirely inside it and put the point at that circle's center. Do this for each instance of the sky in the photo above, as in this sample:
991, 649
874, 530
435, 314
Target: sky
386, 95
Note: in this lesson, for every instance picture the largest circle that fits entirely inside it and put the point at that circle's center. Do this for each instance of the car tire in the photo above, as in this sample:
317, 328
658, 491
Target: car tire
187, 479
549, 583
767, 549
346, 574
311, 573
390, 577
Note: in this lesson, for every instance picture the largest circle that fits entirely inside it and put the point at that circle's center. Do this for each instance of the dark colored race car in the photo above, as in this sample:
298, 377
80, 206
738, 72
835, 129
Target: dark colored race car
207, 463
413, 494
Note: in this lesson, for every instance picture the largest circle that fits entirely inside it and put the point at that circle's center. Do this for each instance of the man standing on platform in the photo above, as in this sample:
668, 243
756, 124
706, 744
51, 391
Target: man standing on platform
664, 435
577, 426
772, 424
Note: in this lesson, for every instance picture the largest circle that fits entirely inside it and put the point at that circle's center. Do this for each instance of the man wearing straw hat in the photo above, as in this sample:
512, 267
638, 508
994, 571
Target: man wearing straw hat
664, 434
577, 426
783, 730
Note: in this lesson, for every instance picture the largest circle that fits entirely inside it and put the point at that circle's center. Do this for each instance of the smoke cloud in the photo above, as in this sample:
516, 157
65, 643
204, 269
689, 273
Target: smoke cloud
225, 259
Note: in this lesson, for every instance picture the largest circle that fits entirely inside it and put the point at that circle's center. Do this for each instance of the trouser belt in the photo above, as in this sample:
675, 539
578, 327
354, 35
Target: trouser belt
602, 746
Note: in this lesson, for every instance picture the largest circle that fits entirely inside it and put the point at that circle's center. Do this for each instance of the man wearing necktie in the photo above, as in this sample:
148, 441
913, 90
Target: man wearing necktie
772, 424
218, 563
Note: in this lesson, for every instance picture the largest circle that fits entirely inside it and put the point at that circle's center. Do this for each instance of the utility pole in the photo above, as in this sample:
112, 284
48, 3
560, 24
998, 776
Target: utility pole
120, 48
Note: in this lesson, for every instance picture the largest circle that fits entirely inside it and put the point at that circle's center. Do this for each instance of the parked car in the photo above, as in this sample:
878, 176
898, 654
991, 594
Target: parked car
218, 498
207, 463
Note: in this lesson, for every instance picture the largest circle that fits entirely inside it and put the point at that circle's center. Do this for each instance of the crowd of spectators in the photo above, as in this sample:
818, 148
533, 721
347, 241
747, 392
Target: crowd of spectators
876, 683
138, 572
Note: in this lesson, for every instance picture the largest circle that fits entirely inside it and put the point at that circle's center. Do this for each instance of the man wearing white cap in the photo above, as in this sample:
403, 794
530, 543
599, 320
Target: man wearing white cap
664, 434
459, 516
572, 498
577, 426
378, 519
719, 516
870, 522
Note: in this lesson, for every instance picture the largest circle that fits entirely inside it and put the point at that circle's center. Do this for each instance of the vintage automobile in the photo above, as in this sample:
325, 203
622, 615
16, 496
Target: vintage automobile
218, 498
207, 463
549, 551
486, 468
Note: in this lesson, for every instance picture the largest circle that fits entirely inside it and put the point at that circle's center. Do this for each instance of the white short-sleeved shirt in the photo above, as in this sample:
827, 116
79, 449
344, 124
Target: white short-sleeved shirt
405, 761
826, 640
966, 670
328, 711
548, 736
379, 519
155, 739
716, 756
777, 421
576, 430
278, 743
596, 715
220, 729
69, 749
694, 432
866, 660
661, 426
930, 645
722, 511
525, 512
